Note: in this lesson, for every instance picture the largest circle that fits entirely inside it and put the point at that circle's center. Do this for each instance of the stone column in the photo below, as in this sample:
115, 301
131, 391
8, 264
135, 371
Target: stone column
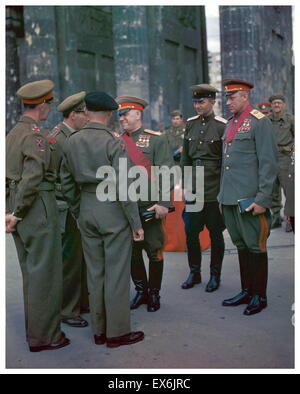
14, 29
131, 53
39, 52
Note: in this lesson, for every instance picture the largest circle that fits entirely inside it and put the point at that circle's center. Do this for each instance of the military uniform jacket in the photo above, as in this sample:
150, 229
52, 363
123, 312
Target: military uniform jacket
203, 147
29, 161
155, 148
249, 165
175, 136
84, 152
284, 128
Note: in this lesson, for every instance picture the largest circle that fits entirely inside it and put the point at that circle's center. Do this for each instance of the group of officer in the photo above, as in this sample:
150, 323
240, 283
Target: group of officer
64, 233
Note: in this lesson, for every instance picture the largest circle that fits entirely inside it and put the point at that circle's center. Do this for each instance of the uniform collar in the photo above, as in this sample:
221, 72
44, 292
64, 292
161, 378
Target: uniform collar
67, 128
27, 119
207, 118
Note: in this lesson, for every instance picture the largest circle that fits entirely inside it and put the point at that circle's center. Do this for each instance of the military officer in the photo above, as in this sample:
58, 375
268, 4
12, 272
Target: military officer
106, 225
284, 133
265, 107
74, 118
203, 147
249, 169
33, 218
146, 148
175, 134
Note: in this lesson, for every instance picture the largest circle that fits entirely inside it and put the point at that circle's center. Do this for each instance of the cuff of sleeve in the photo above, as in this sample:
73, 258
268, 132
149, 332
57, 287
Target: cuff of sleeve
16, 217
263, 200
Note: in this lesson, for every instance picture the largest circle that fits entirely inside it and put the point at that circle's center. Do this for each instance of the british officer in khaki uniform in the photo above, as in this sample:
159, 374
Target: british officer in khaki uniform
146, 148
107, 226
32, 217
74, 268
249, 169
203, 147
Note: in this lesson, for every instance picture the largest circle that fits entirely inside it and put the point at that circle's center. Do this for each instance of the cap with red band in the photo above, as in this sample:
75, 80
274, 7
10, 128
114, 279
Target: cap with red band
234, 85
36, 92
127, 103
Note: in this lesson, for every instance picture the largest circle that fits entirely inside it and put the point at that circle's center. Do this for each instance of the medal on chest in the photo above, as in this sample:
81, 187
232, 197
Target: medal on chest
245, 127
144, 141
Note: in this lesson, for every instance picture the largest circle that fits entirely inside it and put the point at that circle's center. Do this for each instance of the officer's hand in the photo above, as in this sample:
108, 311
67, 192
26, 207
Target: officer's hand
257, 209
138, 235
10, 223
161, 212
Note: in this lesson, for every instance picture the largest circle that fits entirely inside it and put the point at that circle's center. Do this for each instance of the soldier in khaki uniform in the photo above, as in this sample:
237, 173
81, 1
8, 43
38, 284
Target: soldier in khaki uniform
146, 148
203, 147
249, 169
175, 134
74, 277
33, 218
106, 227
284, 128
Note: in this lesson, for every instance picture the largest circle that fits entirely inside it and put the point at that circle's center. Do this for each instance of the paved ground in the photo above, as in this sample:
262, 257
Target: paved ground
191, 330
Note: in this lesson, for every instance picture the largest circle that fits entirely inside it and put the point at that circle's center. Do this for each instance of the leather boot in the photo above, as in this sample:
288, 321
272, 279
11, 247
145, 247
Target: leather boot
193, 278
154, 300
141, 296
258, 302
217, 255
245, 274
215, 279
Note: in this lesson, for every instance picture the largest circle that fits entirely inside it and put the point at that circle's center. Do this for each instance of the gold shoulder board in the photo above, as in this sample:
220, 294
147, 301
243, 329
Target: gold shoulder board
220, 119
153, 132
194, 117
257, 114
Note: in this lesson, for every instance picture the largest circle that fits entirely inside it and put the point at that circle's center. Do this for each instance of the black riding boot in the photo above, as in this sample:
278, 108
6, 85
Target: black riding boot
217, 255
139, 277
155, 278
259, 266
245, 273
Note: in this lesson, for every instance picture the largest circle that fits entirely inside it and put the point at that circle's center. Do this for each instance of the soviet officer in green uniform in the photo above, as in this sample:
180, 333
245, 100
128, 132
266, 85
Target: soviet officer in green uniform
33, 218
146, 148
175, 134
107, 223
249, 169
203, 147
74, 278
284, 128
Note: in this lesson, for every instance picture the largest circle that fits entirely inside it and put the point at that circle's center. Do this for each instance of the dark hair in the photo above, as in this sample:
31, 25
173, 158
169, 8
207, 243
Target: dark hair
29, 106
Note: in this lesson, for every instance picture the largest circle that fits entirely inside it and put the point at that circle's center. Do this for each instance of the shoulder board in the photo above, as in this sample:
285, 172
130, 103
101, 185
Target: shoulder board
220, 119
193, 118
153, 132
54, 131
257, 114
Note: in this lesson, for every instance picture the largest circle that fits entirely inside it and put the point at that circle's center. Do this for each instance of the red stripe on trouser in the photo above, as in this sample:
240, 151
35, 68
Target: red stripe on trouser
263, 235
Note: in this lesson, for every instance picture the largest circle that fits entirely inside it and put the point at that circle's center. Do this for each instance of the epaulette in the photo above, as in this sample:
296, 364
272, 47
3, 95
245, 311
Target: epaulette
257, 114
220, 119
153, 132
193, 118
35, 129
54, 132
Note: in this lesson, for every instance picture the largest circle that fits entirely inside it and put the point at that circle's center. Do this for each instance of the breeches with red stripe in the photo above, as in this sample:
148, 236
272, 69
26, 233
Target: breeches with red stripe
247, 231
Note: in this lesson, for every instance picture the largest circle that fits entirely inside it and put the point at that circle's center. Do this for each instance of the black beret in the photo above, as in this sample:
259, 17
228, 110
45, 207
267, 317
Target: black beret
100, 101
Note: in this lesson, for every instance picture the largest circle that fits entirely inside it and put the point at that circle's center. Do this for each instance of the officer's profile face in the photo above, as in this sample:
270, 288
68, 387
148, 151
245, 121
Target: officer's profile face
176, 121
80, 118
237, 102
204, 107
131, 120
45, 109
278, 106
